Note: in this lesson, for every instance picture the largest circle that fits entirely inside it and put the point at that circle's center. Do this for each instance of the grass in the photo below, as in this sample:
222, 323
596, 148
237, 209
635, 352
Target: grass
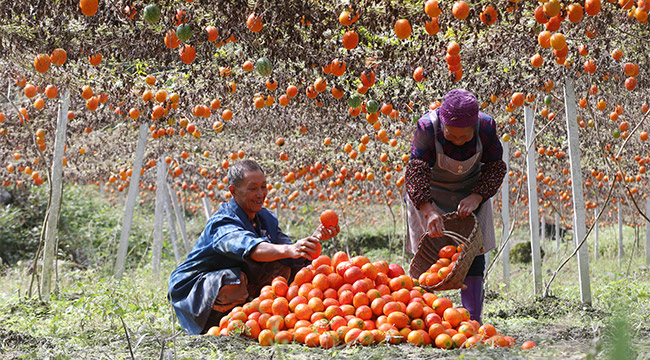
91, 313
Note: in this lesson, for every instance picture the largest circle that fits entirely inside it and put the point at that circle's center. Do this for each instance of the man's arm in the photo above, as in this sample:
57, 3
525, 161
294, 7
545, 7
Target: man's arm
266, 251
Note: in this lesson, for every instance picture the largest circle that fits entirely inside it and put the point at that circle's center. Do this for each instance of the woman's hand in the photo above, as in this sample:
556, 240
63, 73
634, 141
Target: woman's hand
324, 233
433, 217
468, 205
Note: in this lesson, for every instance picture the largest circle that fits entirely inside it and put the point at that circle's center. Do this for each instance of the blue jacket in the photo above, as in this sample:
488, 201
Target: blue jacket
219, 256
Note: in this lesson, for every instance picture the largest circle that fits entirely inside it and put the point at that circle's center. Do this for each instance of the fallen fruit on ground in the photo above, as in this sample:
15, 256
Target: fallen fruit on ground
333, 302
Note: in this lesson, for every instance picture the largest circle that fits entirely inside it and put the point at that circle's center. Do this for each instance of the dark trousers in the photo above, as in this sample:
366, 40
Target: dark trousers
478, 266
255, 282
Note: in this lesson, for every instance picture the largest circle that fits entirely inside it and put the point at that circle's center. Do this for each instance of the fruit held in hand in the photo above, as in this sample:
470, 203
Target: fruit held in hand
329, 218
317, 252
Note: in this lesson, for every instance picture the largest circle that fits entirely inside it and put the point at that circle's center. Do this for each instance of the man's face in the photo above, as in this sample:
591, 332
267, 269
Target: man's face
250, 194
458, 135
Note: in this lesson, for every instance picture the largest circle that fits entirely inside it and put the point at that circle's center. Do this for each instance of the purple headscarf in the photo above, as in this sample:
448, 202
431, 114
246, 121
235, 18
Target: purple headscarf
459, 109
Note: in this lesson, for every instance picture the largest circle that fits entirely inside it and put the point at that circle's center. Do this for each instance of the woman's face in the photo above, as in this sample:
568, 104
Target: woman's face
458, 135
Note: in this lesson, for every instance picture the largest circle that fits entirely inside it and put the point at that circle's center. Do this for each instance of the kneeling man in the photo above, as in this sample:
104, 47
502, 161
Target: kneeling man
240, 250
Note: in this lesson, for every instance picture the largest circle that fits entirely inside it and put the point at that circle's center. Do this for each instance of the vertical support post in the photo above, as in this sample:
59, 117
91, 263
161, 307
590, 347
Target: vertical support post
505, 215
557, 231
542, 225
51, 228
130, 201
596, 227
159, 215
178, 255
533, 214
579, 216
621, 251
206, 207
647, 232
178, 211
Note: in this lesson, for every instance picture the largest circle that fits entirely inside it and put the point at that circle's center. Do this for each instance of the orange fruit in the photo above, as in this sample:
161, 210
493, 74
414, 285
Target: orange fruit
42, 63
252, 329
466, 329
275, 323
417, 337
300, 334
453, 49
487, 330
327, 340
432, 8
364, 312
365, 337
402, 29
459, 340
352, 335
460, 10
58, 57
213, 331
329, 218
398, 318
452, 316
235, 327
415, 310
444, 341
418, 324
440, 305
436, 329
528, 345
279, 288
266, 337
558, 41
280, 306
283, 337
88, 7
312, 339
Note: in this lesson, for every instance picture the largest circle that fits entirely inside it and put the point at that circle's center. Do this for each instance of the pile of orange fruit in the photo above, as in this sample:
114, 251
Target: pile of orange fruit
447, 257
354, 301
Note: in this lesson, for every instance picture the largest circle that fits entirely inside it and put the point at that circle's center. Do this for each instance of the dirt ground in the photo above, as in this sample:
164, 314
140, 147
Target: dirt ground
561, 329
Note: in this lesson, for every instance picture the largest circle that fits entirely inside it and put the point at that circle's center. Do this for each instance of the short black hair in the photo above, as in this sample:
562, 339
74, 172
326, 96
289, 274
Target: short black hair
236, 171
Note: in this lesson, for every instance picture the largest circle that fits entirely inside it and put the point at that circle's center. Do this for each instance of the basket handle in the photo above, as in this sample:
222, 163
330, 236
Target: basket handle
452, 234
456, 236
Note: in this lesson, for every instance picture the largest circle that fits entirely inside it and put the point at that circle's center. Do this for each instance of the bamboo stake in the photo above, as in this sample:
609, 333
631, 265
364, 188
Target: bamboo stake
49, 251
129, 208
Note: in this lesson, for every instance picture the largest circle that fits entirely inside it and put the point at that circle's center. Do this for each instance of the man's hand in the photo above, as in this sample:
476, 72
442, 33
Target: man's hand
433, 217
304, 248
324, 233
468, 205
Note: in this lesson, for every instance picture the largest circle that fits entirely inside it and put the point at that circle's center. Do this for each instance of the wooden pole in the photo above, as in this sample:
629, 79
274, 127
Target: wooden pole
619, 221
178, 253
579, 216
178, 211
51, 228
647, 232
557, 231
533, 214
596, 226
206, 207
159, 215
542, 225
129, 208
505, 215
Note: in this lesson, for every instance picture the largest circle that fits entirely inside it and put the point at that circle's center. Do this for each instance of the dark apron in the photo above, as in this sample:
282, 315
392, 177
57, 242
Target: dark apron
451, 182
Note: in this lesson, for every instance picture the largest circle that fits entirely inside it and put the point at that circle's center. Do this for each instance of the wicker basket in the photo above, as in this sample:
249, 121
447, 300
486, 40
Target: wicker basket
457, 232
